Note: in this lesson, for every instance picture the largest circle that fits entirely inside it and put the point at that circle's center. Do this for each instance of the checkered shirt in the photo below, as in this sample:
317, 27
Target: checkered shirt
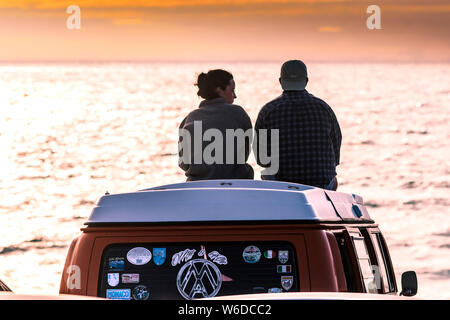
310, 137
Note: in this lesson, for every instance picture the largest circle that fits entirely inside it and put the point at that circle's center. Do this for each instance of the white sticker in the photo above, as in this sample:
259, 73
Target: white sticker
182, 256
113, 279
130, 278
199, 278
217, 257
139, 256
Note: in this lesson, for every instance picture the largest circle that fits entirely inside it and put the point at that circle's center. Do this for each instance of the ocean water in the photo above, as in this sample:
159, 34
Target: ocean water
71, 132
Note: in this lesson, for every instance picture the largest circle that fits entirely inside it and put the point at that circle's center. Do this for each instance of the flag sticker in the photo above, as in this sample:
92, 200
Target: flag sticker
284, 269
270, 254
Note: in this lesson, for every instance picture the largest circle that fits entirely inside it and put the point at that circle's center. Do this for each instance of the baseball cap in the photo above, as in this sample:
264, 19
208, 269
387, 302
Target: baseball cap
293, 75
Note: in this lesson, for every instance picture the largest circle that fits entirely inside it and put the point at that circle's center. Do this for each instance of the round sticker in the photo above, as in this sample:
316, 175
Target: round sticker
251, 254
139, 256
140, 293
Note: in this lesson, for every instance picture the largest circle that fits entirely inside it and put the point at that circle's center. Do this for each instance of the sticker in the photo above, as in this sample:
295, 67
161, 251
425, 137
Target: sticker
117, 264
226, 278
251, 254
140, 293
113, 279
270, 254
283, 256
218, 258
284, 269
202, 252
287, 282
275, 290
130, 278
182, 256
159, 256
118, 294
139, 256
199, 278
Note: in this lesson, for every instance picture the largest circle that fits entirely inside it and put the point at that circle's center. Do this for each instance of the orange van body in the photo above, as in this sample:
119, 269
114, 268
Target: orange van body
336, 256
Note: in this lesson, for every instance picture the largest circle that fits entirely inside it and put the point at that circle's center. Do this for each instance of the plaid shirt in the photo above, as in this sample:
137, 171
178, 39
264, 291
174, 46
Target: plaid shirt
310, 137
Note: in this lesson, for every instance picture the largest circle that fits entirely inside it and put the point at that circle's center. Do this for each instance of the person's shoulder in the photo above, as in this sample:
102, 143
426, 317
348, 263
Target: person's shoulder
237, 109
268, 108
189, 116
317, 100
275, 101
320, 102
272, 104
193, 115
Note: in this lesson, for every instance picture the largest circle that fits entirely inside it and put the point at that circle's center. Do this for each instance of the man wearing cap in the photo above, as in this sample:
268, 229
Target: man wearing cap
309, 133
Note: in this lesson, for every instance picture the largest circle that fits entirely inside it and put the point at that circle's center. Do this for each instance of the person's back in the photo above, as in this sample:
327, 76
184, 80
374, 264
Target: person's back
309, 133
216, 115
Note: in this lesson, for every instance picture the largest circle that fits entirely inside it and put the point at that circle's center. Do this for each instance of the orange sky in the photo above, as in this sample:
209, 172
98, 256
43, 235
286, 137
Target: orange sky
206, 30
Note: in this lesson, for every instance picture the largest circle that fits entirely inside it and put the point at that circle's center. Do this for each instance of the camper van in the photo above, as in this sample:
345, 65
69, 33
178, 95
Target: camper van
220, 238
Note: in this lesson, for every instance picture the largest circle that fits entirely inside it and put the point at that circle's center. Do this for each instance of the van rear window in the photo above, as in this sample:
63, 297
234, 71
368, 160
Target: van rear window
144, 271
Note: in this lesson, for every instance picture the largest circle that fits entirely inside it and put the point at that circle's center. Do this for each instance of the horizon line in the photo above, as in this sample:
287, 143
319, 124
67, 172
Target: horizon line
89, 61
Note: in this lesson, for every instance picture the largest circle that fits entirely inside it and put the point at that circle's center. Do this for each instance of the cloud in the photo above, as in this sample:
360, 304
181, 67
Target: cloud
329, 29
131, 21
54, 4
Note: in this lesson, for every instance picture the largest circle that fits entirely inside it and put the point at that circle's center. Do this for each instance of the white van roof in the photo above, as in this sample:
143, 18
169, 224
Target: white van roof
229, 201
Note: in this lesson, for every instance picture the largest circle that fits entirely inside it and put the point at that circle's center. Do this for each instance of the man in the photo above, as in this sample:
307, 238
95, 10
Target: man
309, 133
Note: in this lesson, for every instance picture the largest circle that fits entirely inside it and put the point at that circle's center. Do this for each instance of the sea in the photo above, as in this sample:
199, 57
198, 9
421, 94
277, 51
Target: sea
70, 132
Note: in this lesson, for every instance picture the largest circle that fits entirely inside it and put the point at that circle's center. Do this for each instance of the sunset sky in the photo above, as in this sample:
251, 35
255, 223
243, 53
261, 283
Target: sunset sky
232, 30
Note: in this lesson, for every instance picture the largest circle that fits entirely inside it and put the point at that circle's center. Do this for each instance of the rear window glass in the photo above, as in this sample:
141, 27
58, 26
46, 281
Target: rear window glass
385, 274
365, 264
3, 287
144, 271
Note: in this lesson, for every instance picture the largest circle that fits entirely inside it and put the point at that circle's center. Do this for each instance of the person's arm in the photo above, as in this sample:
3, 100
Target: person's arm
261, 124
336, 138
181, 163
247, 125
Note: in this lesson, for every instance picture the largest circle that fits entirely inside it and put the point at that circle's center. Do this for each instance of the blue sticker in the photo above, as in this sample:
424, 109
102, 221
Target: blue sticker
116, 264
113, 279
118, 294
159, 255
251, 254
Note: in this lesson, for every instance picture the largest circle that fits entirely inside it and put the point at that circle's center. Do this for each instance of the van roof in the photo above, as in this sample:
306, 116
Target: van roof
230, 201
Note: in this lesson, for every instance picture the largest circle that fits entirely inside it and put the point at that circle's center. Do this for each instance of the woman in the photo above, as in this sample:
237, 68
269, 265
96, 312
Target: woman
209, 145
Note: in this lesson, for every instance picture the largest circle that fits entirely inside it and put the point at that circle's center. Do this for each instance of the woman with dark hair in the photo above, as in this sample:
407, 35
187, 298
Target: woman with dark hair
215, 139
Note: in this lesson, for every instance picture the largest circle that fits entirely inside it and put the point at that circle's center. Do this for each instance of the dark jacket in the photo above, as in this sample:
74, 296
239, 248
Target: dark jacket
310, 137
219, 115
